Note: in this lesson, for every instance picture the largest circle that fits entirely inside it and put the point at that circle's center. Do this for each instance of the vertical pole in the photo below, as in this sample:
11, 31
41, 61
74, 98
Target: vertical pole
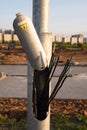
40, 15
32, 122
40, 21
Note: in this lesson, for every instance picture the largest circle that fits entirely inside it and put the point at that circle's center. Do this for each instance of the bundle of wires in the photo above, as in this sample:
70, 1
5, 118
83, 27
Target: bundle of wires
61, 80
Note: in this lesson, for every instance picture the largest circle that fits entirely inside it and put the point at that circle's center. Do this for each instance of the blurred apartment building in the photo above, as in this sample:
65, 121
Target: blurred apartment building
78, 38
74, 39
7, 36
85, 40
66, 39
60, 39
0, 37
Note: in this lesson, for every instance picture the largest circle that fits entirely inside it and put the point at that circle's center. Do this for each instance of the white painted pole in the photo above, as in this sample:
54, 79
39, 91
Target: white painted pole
46, 40
33, 123
40, 15
40, 20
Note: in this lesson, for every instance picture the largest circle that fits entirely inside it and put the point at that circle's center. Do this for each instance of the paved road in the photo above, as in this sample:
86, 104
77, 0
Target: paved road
15, 84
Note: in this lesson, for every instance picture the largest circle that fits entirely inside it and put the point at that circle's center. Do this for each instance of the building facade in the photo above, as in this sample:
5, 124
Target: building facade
60, 39
0, 37
15, 38
78, 38
73, 40
85, 40
65, 39
7, 37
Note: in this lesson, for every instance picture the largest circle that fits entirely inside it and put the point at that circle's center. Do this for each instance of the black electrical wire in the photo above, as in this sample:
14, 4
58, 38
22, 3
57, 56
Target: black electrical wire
53, 70
60, 80
65, 68
58, 88
44, 98
51, 63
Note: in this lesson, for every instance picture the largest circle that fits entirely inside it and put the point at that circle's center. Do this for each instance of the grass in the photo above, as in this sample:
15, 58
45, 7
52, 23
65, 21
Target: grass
13, 124
64, 123
58, 123
69, 45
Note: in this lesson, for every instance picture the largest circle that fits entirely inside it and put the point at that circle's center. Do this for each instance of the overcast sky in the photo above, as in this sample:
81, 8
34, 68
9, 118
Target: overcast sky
66, 16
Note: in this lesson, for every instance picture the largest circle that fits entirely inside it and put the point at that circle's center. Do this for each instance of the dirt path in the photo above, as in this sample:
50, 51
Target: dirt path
17, 108
79, 56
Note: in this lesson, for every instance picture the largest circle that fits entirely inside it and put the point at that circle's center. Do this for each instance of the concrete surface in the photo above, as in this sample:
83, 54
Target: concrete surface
15, 84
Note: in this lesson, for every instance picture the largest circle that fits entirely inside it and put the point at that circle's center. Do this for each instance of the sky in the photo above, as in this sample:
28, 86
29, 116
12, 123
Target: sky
66, 17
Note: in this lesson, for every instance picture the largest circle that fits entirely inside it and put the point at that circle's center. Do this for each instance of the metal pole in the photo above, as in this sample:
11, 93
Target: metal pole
40, 21
33, 123
40, 15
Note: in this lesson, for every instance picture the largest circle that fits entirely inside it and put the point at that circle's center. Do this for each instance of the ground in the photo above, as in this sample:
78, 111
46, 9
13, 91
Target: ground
17, 108
79, 56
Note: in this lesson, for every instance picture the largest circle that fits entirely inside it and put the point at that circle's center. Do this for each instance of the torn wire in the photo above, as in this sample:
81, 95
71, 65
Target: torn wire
54, 68
61, 80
